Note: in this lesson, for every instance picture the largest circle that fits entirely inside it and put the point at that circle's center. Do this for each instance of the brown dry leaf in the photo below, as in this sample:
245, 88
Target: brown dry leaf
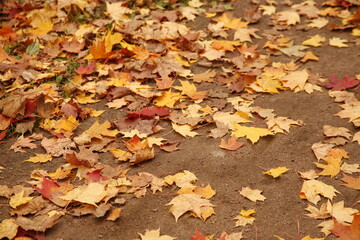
23, 142
39, 223
188, 202
312, 189
57, 146
252, 194
356, 137
207, 76
231, 144
245, 217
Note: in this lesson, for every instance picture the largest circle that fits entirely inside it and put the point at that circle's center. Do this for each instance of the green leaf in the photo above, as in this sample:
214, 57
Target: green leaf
33, 48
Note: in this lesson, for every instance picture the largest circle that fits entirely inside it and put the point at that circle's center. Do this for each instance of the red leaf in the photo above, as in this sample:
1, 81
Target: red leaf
341, 84
48, 188
95, 176
2, 135
30, 106
88, 69
7, 33
197, 236
149, 112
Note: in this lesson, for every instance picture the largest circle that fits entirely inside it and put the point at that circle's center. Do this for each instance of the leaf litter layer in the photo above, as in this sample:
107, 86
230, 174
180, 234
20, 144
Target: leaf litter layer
96, 91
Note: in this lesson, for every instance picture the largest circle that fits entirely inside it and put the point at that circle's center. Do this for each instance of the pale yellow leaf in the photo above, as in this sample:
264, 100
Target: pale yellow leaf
276, 172
40, 158
252, 194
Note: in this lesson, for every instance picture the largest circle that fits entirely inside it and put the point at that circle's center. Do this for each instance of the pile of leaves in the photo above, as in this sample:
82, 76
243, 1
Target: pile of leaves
143, 60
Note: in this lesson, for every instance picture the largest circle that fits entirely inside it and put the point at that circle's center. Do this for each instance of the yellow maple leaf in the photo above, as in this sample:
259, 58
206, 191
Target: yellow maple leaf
83, 99
309, 56
296, 80
91, 194
167, 99
114, 214
40, 158
66, 124
312, 189
121, 155
338, 42
287, 17
230, 22
252, 194
184, 130
43, 28
182, 180
206, 192
318, 23
154, 235
269, 85
19, 199
111, 40
251, 133
189, 90
225, 45
314, 41
333, 160
97, 130
245, 217
276, 172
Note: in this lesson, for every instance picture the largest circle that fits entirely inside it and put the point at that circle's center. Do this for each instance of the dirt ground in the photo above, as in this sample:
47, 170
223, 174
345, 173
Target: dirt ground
282, 213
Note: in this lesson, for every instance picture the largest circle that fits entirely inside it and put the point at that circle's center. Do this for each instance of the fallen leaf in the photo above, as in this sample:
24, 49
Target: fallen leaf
39, 223
114, 214
338, 42
251, 133
91, 194
314, 41
154, 235
19, 199
338, 84
345, 232
8, 228
312, 189
276, 172
188, 202
231, 144
351, 182
184, 130
252, 194
244, 218
39, 158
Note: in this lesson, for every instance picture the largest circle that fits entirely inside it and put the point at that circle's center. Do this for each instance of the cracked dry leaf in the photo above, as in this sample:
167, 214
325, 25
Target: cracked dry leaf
154, 235
252, 194
189, 202
184, 130
244, 218
8, 229
251, 133
40, 158
276, 172
312, 189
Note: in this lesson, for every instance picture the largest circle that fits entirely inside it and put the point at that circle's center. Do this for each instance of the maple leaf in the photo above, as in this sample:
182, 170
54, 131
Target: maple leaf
340, 84
98, 131
351, 182
98, 50
252, 194
73, 46
184, 179
251, 133
244, 218
188, 202
287, 17
276, 172
92, 193
52, 191
351, 232
314, 41
19, 199
231, 144
332, 168
39, 223
86, 69
198, 236
57, 146
184, 130
338, 42
331, 131
321, 149
8, 228
167, 99
154, 235
312, 189
39, 158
